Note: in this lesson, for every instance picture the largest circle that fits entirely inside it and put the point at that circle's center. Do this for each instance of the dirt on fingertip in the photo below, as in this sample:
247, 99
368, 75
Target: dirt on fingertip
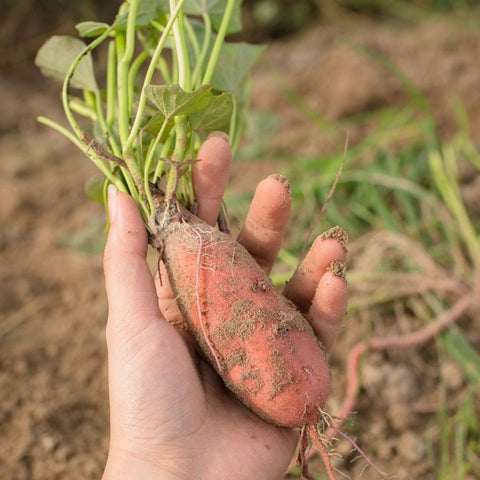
336, 233
283, 180
338, 269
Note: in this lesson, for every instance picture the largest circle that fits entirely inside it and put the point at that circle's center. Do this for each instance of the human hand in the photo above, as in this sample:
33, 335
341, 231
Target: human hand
170, 415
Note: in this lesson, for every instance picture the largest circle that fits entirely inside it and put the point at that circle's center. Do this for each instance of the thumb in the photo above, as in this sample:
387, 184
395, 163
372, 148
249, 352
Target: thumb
130, 288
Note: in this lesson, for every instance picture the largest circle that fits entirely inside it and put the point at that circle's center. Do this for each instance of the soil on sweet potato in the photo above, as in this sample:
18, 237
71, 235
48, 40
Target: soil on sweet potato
53, 377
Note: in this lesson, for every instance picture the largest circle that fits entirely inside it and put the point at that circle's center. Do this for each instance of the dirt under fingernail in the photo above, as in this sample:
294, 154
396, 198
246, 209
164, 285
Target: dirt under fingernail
283, 180
338, 269
337, 233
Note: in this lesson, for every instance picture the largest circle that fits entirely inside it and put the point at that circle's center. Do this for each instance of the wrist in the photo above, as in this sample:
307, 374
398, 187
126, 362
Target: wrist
124, 465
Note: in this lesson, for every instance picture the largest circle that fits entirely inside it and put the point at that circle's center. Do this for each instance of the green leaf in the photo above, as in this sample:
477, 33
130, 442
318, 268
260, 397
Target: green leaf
216, 10
234, 63
215, 116
56, 56
172, 100
91, 29
94, 188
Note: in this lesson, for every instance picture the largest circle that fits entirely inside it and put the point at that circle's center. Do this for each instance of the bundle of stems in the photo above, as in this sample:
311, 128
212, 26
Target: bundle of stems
171, 79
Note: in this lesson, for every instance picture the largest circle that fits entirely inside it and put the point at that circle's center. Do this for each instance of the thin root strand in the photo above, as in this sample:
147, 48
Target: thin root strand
319, 441
360, 451
414, 339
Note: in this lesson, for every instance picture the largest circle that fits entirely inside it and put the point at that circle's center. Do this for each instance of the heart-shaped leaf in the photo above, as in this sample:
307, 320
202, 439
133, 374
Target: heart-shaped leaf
56, 56
214, 117
172, 100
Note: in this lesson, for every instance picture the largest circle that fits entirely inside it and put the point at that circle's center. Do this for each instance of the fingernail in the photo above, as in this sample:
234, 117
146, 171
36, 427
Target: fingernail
219, 133
112, 202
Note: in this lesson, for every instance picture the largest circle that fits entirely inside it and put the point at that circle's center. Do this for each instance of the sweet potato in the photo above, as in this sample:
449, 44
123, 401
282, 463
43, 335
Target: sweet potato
258, 342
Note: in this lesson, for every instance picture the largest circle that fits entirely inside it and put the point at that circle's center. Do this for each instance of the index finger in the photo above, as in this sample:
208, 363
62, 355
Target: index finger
210, 175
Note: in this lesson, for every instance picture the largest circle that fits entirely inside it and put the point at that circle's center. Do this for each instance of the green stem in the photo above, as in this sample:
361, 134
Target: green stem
96, 159
123, 68
184, 75
217, 46
106, 131
166, 149
178, 156
175, 77
185, 82
193, 39
132, 74
158, 26
151, 150
81, 108
95, 100
149, 161
111, 84
130, 176
204, 51
149, 75
68, 78
181, 138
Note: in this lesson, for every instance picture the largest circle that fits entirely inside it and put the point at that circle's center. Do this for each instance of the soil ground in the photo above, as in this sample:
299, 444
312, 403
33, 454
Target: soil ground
53, 384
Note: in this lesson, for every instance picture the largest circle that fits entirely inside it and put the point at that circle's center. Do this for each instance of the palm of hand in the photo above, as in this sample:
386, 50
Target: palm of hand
183, 417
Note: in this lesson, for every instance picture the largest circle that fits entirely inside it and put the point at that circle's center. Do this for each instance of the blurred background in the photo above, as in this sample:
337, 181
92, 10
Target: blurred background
399, 79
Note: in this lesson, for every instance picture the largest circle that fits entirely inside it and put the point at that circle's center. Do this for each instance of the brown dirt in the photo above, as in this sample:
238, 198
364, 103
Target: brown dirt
337, 233
338, 269
53, 405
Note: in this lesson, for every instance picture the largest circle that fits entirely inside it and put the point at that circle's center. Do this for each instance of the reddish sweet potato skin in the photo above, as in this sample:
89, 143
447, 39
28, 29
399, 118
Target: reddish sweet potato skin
259, 343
